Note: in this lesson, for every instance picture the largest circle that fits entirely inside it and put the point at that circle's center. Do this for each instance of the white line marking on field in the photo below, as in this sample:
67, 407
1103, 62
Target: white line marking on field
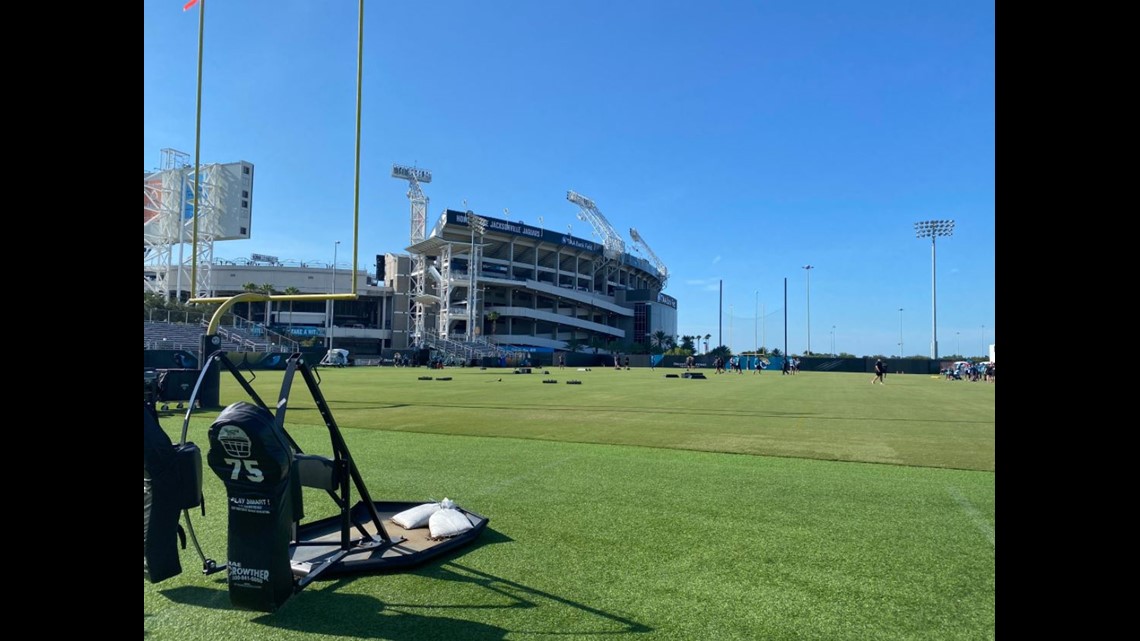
972, 512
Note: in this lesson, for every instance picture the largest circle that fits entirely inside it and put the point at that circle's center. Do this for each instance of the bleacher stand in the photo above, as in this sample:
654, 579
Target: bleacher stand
180, 336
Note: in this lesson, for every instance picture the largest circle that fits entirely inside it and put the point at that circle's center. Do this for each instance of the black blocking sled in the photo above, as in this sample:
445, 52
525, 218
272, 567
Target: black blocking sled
271, 553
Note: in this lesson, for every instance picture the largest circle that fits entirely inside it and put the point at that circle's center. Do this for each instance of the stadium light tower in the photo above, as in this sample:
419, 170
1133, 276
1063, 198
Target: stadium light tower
418, 277
332, 303
478, 226
933, 229
808, 268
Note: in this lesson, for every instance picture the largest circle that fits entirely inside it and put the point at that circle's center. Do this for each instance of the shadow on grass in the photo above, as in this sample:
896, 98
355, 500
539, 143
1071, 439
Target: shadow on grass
359, 616
522, 596
325, 609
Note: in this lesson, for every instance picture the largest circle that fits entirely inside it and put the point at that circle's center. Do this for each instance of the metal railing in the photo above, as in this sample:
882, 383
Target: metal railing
465, 350
234, 337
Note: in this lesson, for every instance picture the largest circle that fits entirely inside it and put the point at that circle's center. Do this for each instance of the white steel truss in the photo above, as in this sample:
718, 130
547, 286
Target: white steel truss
478, 226
419, 275
612, 245
170, 194
444, 320
162, 213
660, 266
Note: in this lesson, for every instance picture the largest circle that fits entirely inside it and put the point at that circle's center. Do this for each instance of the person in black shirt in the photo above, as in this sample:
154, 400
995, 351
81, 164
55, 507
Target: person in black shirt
880, 372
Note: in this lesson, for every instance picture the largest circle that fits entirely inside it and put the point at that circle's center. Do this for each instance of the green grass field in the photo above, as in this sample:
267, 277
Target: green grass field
814, 506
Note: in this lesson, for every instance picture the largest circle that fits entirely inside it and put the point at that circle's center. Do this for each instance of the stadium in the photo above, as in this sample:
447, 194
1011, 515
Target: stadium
473, 287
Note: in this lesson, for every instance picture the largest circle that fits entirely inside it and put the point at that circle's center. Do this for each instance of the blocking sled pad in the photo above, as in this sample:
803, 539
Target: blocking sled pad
271, 552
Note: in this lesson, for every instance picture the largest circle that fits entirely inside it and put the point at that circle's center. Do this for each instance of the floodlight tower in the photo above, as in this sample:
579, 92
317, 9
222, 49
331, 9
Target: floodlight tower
168, 220
933, 229
215, 189
418, 277
478, 226
162, 220
662, 270
612, 245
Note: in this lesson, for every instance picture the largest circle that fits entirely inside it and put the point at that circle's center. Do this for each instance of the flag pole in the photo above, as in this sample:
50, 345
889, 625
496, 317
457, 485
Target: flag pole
356, 186
197, 148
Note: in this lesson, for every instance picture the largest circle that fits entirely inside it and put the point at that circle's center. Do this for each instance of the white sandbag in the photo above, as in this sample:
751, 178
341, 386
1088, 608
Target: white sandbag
448, 522
415, 517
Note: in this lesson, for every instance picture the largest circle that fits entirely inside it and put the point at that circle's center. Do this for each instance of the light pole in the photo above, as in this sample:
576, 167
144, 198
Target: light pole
756, 322
901, 353
332, 303
808, 268
958, 335
833, 341
933, 229
478, 226
984, 350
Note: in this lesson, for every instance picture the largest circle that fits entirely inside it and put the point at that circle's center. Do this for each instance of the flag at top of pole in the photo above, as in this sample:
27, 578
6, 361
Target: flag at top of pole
189, 5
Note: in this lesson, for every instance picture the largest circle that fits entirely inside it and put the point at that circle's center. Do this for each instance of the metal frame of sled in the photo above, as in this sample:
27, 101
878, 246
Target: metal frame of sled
355, 540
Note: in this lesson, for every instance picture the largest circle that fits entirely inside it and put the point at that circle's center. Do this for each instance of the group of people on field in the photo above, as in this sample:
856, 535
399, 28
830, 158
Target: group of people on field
971, 372
736, 364
791, 366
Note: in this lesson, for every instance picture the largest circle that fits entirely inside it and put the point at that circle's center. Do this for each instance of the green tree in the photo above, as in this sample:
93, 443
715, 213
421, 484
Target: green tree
292, 291
776, 351
658, 340
597, 341
574, 344
267, 289
494, 318
722, 351
254, 288
707, 337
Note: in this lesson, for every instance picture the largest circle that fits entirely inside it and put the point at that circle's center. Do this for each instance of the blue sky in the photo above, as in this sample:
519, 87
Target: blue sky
743, 140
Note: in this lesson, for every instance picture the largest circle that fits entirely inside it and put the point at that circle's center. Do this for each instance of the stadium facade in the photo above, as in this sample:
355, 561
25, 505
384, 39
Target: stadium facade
483, 280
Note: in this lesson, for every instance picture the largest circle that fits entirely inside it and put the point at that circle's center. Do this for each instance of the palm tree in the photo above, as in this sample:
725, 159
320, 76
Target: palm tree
687, 343
250, 287
493, 317
597, 341
658, 339
266, 289
292, 291
723, 351
707, 337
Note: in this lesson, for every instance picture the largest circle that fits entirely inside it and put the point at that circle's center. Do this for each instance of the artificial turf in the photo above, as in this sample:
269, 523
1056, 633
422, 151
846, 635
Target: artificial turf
739, 507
